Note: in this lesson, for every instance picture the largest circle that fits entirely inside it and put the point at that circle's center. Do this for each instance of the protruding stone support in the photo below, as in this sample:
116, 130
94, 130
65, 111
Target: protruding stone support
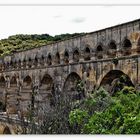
92, 56
81, 57
71, 58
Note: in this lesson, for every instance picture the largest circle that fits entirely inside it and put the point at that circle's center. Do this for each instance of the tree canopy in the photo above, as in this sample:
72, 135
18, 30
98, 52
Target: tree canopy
22, 42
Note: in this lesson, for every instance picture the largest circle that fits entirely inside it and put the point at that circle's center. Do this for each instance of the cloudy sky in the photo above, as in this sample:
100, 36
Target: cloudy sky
54, 20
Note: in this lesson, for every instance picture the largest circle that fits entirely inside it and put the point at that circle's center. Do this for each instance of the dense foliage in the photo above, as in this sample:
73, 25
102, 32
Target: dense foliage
22, 42
109, 115
98, 113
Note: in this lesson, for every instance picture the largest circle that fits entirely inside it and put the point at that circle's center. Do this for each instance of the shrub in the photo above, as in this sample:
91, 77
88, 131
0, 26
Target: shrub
120, 116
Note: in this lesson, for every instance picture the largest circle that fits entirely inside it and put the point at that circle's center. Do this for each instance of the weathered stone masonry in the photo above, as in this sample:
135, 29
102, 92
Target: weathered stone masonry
89, 57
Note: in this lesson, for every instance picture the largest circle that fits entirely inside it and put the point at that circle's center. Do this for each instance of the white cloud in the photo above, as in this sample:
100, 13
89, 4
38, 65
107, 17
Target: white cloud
62, 19
79, 19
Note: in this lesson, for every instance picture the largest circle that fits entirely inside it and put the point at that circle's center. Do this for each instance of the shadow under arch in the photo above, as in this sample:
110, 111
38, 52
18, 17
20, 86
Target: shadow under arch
13, 81
126, 46
36, 60
13, 92
76, 55
3, 95
99, 51
109, 81
49, 59
87, 52
46, 90
70, 86
112, 48
27, 81
2, 107
57, 58
46, 82
2, 81
126, 43
7, 130
66, 57
26, 95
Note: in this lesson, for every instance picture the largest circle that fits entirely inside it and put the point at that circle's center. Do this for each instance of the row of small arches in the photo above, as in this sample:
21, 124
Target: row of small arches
99, 52
27, 81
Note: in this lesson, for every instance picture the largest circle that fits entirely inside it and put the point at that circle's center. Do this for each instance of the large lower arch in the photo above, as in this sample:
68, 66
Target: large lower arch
27, 82
45, 92
110, 80
26, 93
12, 92
7, 130
13, 82
46, 83
3, 94
2, 81
70, 86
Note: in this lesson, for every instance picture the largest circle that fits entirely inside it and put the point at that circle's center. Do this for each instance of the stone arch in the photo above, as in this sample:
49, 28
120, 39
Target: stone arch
99, 51
111, 79
76, 55
6, 130
46, 91
36, 61
66, 57
87, 53
126, 43
13, 82
2, 82
70, 85
126, 46
27, 81
29, 62
26, 95
112, 48
57, 58
2, 107
49, 59
12, 101
46, 81
3, 95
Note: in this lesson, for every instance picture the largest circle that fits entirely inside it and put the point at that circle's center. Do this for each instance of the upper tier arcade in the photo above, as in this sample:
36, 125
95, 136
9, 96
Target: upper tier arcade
118, 41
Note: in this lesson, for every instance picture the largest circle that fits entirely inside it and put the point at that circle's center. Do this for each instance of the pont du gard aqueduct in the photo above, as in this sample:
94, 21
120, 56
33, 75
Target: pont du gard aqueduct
97, 58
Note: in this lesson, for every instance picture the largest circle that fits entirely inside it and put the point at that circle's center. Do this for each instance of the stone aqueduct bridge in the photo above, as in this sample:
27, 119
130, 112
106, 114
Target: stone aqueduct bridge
97, 58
